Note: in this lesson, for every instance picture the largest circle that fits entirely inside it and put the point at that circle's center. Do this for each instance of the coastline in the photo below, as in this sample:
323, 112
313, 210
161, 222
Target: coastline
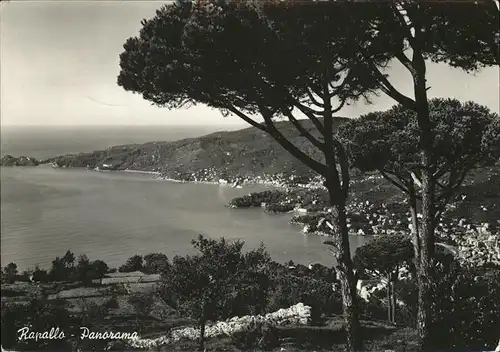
227, 183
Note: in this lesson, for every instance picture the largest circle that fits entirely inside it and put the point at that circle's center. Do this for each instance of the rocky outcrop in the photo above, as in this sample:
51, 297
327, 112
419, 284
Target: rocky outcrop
9, 160
298, 314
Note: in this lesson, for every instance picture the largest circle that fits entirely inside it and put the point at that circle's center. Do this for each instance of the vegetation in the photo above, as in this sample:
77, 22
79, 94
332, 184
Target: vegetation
218, 283
236, 79
133, 264
193, 52
223, 281
64, 269
155, 263
246, 153
9, 160
465, 307
10, 272
467, 136
331, 54
384, 256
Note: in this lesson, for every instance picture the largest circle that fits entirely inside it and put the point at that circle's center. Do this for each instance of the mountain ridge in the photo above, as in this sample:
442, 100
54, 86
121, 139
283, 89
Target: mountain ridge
245, 153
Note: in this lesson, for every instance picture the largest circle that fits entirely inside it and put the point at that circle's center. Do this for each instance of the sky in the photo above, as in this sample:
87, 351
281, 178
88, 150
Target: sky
59, 61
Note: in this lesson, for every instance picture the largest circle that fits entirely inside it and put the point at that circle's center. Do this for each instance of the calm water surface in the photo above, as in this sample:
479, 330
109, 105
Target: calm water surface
114, 215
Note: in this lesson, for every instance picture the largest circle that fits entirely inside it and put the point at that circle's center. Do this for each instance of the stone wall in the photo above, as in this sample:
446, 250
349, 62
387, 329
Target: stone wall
298, 314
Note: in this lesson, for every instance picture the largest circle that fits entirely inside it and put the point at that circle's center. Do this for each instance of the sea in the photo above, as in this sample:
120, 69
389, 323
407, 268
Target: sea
114, 215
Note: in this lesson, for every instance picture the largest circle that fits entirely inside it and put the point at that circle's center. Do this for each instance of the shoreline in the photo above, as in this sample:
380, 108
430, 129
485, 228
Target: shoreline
228, 183
276, 180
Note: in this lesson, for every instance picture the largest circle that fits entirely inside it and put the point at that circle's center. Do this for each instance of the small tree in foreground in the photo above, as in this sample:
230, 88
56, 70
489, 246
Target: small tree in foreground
205, 286
142, 303
384, 256
10, 272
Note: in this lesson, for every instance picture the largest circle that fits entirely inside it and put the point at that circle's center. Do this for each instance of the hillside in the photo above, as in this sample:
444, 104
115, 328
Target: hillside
244, 153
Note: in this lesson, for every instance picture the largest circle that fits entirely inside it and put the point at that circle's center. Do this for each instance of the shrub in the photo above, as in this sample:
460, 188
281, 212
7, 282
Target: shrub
256, 335
134, 263
10, 272
279, 208
63, 269
24, 276
466, 307
40, 315
112, 303
155, 263
288, 289
99, 269
40, 275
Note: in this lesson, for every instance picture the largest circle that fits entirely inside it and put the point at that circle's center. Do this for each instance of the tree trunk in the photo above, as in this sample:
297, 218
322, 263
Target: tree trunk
428, 201
202, 335
337, 191
415, 227
393, 295
426, 256
346, 276
389, 300
415, 232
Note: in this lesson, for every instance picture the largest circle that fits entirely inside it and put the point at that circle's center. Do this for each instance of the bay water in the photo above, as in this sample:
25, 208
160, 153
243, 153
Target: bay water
114, 215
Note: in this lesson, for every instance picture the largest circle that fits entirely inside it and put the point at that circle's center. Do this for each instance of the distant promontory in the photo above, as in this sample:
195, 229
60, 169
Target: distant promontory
232, 156
9, 160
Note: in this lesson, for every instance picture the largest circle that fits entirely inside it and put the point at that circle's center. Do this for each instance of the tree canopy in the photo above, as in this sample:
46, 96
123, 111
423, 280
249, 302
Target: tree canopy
220, 279
232, 54
384, 254
292, 60
467, 135
248, 58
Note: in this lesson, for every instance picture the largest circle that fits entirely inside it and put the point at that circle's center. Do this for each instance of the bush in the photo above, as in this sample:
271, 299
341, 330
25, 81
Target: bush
155, 263
256, 335
279, 208
24, 276
112, 303
40, 315
133, 264
465, 303
63, 269
374, 309
288, 290
40, 275
87, 271
99, 269
10, 272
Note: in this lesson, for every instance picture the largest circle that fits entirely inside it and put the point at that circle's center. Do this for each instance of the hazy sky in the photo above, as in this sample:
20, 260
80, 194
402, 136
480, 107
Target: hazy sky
59, 62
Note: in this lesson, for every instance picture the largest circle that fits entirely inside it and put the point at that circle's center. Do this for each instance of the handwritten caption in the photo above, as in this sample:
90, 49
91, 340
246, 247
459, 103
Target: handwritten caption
85, 333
